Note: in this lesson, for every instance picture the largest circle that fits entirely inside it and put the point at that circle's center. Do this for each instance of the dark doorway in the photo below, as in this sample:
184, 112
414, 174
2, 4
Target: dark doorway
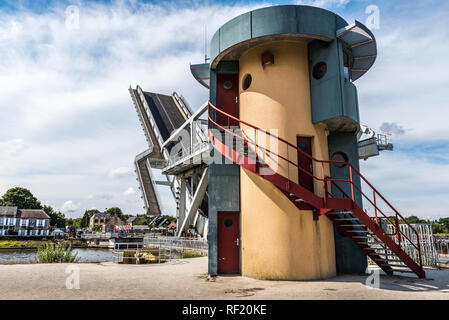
228, 243
227, 98
304, 162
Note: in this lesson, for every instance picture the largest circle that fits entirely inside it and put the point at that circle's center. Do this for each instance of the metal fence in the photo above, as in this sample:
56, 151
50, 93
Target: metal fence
175, 242
442, 246
134, 256
157, 250
428, 248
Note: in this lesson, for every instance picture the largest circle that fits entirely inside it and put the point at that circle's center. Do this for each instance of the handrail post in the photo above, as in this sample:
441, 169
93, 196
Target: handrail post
352, 183
255, 151
208, 117
325, 191
324, 183
288, 167
419, 250
397, 230
375, 206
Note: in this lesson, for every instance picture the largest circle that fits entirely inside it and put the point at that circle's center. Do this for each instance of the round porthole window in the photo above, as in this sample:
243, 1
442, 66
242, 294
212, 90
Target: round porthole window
228, 222
339, 156
247, 81
227, 85
319, 70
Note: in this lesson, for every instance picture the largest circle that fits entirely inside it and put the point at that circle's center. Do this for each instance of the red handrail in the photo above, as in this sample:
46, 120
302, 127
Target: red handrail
324, 180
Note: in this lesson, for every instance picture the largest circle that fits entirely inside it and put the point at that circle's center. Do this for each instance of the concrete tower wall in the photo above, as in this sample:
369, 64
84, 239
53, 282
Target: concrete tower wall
278, 241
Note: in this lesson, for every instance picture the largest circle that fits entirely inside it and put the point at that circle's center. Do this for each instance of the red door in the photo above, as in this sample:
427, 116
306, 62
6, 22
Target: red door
228, 243
304, 162
227, 98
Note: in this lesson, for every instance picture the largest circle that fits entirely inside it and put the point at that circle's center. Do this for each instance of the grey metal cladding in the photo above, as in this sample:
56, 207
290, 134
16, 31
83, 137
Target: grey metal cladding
282, 21
235, 31
165, 112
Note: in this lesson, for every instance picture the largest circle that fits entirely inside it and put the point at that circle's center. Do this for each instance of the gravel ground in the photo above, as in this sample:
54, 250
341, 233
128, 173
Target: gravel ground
187, 279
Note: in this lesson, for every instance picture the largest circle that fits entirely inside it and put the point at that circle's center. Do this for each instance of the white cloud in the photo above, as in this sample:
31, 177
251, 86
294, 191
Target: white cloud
392, 127
12, 147
70, 118
119, 172
66, 93
325, 3
69, 207
130, 191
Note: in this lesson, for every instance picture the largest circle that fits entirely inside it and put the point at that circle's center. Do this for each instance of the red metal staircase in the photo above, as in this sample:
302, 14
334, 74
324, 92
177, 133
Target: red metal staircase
392, 252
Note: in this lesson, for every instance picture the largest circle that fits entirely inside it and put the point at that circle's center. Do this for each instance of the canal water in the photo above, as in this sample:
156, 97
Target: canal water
29, 256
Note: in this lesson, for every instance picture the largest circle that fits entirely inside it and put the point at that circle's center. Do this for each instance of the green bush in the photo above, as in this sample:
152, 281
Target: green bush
18, 238
55, 253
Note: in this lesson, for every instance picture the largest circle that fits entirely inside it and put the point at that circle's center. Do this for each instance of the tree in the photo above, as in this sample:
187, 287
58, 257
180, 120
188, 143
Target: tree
86, 217
438, 228
57, 219
21, 198
444, 222
116, 211
77, 222
143, 222
415, 219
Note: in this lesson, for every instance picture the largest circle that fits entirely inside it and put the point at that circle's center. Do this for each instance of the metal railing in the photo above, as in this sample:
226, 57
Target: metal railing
425, 238
161, 249
442, 246
176, 242
155, 254
187, 152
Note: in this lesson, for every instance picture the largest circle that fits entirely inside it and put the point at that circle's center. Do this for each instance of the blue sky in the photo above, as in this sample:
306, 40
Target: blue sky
69, 131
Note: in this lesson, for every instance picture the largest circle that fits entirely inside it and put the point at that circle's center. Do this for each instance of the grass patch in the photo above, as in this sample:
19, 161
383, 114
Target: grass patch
55, 253
186, 254
34, 244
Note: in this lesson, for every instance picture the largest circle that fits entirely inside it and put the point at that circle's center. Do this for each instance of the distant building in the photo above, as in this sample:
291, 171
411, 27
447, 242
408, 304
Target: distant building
135, 220
33, 222
8, 217
98, 222
140, 229
114, 224
24, 222
103, 222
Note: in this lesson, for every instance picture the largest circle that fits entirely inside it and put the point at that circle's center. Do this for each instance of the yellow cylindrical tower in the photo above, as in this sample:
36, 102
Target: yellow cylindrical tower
279, 241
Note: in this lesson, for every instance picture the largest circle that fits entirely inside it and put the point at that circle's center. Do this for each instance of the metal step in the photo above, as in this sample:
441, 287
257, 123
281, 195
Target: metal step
387, 260
403, 270
364, 231
341, 212
352, 225
380, 253
347, 219
299, 200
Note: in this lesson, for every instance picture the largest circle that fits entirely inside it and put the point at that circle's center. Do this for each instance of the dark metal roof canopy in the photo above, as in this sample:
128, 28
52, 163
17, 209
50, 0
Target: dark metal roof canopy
362, 43
201, 72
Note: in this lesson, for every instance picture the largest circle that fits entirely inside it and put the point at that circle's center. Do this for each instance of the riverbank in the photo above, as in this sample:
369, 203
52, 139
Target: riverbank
35, 244
187, 279
29, 256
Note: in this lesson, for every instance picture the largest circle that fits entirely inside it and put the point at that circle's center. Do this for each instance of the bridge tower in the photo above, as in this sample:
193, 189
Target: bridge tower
290, 69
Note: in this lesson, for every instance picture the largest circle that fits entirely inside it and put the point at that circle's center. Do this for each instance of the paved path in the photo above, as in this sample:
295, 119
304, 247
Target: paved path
187, 279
